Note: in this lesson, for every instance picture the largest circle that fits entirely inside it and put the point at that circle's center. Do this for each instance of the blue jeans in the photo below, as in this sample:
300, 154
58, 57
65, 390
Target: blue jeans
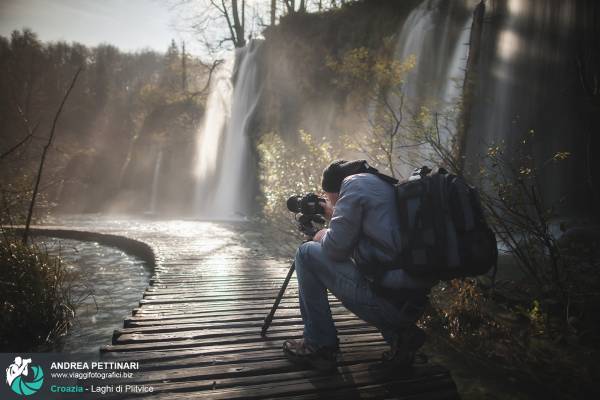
316, 273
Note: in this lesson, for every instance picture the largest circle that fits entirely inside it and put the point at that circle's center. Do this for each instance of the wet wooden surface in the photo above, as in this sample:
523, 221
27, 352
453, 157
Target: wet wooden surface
196, 332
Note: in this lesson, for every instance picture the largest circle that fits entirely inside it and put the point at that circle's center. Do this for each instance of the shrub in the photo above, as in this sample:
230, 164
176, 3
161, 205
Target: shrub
286, 170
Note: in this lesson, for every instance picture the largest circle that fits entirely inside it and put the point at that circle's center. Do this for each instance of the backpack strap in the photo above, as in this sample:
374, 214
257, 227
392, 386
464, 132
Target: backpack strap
384, 177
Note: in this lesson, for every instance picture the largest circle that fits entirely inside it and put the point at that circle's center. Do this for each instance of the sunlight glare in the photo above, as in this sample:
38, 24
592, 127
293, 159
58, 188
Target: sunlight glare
508, 44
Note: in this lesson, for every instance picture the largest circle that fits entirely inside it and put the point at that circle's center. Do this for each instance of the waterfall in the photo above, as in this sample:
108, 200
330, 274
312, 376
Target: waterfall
527, 81
223, 167
155, 182
211, 133
436, 32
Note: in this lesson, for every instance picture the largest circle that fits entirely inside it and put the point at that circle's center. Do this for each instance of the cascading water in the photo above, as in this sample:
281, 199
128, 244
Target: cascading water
528, 86
155, 182
223, 165
210, 135
436, 32
526, 79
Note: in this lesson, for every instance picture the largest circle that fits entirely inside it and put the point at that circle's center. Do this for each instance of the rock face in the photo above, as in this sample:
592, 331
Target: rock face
299, 89
534, 72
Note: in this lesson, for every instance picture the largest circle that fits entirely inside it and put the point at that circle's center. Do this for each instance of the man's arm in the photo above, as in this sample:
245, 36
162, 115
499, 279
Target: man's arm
344, 229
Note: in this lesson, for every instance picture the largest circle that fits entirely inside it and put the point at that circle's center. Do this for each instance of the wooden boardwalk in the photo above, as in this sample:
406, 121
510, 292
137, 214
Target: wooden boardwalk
196, 331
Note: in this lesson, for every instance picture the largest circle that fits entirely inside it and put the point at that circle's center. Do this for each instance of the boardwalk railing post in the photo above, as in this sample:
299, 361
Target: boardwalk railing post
269, 317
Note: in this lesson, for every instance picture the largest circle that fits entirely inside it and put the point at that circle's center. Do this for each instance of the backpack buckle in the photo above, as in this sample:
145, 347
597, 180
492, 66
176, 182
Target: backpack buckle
419, 173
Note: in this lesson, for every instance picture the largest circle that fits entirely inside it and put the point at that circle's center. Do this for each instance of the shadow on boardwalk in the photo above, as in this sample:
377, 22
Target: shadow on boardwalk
196, 332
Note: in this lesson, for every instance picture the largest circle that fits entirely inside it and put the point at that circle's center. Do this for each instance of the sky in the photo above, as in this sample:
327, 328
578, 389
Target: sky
128, 24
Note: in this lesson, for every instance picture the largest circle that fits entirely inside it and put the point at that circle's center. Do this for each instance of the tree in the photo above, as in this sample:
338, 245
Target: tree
25, 65
291, 6
221, 24
44, 154
183, 68
208, 17
469, 84
273, 11
238, 27
376, 83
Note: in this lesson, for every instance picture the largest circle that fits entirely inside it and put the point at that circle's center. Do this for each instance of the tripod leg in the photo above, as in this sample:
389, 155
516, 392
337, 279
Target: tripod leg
269, 317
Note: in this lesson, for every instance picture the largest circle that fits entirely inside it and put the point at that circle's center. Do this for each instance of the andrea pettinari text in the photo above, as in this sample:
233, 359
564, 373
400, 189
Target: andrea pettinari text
38, 374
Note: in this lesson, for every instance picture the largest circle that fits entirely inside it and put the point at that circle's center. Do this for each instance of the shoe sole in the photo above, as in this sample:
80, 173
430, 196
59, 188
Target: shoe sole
320, 365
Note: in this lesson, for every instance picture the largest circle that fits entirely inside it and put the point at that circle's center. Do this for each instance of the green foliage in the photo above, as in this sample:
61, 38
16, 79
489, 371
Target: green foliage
287, 169
401, 130
15, 198
35, 304
522, 219
375, 85
362, 70
536, 317
563, 280
434, 137
124, 107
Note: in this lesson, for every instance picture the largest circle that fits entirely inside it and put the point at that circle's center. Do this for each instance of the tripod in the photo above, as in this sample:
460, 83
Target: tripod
305, 224
269, 317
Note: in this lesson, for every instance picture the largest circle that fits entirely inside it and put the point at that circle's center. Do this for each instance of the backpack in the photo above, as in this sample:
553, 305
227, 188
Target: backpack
445, 234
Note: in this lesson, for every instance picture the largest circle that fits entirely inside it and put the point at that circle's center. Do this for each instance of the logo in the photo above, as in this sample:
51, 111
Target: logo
20, 380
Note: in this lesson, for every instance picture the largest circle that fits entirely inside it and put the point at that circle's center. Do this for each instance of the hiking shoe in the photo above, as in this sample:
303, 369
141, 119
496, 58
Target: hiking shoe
321, 358
404, 347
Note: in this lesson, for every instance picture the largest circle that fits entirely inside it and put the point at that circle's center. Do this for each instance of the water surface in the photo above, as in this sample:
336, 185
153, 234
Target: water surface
109, 285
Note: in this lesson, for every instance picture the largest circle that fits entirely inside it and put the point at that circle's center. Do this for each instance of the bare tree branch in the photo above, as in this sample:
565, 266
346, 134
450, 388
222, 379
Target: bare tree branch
212, 68
30, 133
44, 153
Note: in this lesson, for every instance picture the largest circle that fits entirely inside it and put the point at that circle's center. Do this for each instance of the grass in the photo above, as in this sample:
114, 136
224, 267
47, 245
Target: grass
36, 307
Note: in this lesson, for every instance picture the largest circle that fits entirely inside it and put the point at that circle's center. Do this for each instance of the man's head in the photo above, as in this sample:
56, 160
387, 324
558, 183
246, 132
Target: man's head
338, 170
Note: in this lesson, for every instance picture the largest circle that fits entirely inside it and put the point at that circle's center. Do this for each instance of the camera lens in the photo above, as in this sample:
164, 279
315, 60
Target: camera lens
294, 203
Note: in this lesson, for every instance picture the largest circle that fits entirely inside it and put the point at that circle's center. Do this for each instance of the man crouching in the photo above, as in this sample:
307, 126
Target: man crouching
355, 260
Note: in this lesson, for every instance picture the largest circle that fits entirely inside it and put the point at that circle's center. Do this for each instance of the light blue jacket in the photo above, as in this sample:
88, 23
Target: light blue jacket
365, 227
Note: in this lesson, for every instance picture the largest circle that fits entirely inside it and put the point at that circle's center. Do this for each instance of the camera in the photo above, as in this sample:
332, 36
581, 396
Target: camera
309, 204
308, 210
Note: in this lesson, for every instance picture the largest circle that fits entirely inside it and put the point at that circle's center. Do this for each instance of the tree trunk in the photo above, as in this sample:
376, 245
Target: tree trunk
183, 68
290, 5
273, 11
469, 85
238, 40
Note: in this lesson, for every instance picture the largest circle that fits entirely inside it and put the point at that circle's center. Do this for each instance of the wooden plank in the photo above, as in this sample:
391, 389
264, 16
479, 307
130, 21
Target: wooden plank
244, 368
209, 337
213, 354
196, 332
269, 342
253, 356
420, 380
256, 323
225, 328
216, 320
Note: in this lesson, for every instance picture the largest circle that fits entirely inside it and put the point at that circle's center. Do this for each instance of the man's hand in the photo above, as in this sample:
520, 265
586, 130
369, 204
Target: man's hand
319, 235
328, 210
